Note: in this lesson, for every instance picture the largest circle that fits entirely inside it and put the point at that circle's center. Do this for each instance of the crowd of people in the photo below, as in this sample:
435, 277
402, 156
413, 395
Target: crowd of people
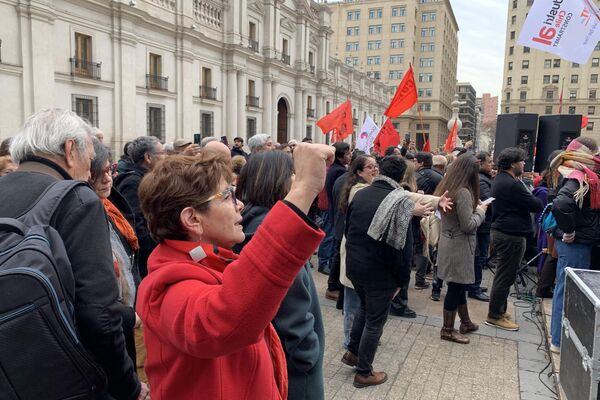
190, 263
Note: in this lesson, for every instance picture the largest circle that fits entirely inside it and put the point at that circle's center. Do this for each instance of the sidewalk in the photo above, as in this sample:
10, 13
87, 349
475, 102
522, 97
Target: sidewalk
496, 365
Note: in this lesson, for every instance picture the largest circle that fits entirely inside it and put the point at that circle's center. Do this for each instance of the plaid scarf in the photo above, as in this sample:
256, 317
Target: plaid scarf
392, 218
579, 163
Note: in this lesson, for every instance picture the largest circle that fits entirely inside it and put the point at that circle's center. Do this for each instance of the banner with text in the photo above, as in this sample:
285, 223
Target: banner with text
568, 28
367, 136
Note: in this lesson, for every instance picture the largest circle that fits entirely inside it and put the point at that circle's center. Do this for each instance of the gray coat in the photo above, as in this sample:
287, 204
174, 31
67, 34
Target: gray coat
456, 247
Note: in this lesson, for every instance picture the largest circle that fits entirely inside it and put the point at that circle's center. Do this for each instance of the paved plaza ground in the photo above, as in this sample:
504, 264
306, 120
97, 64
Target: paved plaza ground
496, 365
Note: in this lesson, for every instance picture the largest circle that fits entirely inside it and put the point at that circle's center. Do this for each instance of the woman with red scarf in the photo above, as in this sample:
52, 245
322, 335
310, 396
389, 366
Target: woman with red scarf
577, 213
207, 311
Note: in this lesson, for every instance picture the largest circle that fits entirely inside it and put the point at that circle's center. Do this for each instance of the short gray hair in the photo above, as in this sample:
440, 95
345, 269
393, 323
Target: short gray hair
102, 155
207, 140
440, 161
140, 146
257, 142
47, 131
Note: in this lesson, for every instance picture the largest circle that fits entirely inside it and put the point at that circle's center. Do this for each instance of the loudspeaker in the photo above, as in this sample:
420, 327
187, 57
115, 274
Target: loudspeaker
580, 336
516, 130
554, 132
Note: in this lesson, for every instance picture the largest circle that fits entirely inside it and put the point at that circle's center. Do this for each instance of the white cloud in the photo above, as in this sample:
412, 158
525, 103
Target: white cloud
481, 41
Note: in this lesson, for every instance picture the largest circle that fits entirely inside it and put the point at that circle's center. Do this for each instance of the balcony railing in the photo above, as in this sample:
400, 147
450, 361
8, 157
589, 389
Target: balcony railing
157, 82
253, 45
252, 101
312, 69
85, 68
285, 58
310, 112
354, 121
207, 92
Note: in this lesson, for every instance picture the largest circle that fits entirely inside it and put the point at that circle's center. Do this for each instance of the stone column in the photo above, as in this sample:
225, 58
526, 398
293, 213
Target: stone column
318, 137
231, 109
267, 107
275, 104
241, 103
299, 114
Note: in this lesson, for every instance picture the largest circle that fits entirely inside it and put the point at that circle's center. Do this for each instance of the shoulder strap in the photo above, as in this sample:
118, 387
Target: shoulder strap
45, 206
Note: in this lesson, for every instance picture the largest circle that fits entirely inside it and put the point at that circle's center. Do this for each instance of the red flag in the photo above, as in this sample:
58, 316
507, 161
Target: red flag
339, 120
426, 147
584, 121
451, 141
387, 137
405, 97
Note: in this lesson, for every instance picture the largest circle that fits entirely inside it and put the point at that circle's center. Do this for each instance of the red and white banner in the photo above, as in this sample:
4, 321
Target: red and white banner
367, 136
568, 28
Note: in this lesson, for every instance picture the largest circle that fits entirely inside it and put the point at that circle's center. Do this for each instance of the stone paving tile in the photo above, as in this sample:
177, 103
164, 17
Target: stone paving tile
496, 365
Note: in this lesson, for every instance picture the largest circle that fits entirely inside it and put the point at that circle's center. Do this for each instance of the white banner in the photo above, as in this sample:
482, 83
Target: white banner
568, 28
367, 135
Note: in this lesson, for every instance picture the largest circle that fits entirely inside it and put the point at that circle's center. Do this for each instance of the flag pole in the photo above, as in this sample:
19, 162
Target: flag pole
422, 127
560, 101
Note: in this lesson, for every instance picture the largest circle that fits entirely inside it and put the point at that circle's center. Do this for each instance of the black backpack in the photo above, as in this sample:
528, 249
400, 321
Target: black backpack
41, 354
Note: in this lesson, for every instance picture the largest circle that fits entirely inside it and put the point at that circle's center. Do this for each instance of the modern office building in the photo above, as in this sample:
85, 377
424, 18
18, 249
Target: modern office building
382, 37
534, 80
172, 68
467, 111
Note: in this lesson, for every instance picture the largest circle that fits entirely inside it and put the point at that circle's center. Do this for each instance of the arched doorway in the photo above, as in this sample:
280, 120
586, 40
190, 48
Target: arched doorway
282, 121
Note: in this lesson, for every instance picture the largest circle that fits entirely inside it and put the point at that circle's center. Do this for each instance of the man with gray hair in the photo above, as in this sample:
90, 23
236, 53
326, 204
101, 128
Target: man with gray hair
260, 142
145, 152
56, 145
207, 140
439, 163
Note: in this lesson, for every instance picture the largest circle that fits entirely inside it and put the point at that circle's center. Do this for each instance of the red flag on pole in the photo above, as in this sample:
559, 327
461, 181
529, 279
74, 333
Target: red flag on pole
405, 97
339, 121
387, 137
426, 147
584, 121
451, 141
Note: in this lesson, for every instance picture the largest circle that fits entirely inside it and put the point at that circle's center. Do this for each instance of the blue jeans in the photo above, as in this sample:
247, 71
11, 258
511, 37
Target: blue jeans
351, 305
325, 252
573, 255
481, 259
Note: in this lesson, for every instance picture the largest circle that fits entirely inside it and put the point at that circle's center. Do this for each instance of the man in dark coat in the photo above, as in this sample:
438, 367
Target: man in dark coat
483, 232
511, 223
145, 152
238, 148
327, 248
376, 268
56, 145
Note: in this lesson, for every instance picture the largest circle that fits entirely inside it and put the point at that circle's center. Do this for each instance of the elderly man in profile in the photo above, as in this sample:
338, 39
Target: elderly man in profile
56, 145
145, 152
260, 142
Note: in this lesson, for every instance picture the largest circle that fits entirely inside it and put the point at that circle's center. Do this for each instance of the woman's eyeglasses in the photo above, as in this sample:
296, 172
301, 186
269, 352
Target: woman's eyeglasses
228, 193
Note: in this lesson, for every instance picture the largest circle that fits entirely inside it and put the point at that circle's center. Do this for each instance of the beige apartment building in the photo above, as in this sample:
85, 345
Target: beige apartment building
534, 80
383, 37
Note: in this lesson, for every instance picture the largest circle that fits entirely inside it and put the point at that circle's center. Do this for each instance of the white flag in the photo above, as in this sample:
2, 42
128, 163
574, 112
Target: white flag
367, 135
568, 28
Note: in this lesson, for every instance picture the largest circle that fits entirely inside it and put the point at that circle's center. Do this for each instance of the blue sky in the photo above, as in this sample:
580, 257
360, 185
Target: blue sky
481, 39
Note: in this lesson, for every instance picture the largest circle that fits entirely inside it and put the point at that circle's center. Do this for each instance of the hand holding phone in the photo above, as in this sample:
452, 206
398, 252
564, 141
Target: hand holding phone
488, 201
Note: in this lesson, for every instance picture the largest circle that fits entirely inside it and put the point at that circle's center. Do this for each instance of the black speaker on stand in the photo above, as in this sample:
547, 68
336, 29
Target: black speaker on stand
555, 132
517, 130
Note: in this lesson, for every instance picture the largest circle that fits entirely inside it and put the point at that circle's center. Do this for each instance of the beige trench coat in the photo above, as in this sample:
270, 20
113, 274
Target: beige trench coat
456, 247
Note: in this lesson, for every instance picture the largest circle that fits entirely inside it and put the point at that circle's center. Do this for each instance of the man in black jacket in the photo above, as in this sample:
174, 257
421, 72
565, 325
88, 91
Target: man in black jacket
56, 145
238, 148
511, 223
483, 232
145, 152
327, 248
376, 269
427, 181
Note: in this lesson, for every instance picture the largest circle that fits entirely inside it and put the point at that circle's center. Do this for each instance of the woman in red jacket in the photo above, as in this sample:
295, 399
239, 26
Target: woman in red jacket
206, 311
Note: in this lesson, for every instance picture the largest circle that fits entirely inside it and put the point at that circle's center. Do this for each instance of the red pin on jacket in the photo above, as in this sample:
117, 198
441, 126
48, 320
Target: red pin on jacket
339, 121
